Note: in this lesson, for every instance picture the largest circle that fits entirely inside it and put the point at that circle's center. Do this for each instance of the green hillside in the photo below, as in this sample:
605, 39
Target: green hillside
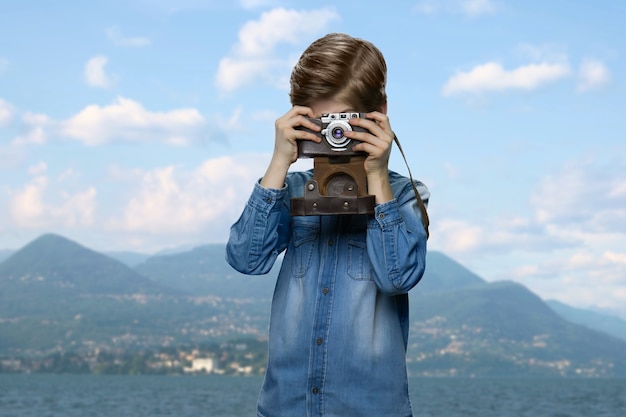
204, 271
58, 296
591, 319
52, 264
502, 329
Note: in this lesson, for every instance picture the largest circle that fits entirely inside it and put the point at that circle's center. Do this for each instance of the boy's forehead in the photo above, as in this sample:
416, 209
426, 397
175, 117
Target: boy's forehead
330, 106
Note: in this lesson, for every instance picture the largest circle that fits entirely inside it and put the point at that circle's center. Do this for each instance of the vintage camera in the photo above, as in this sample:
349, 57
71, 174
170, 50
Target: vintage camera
339, 183
334, 142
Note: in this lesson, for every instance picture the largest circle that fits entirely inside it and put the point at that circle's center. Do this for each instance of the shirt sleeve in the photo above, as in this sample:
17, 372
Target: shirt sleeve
396, 243
260, 234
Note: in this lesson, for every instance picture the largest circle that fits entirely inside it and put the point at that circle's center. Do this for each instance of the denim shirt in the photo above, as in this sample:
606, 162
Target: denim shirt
339, 318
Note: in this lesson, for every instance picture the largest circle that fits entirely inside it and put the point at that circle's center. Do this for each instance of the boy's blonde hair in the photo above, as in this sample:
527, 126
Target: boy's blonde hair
340, 67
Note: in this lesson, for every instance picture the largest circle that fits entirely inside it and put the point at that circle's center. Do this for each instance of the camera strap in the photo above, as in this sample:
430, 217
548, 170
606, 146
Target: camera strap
420, 203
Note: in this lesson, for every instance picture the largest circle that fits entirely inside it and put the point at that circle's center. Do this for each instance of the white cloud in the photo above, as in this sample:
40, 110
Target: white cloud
582, 205
43, 204
26, 206
147, 209
6, 113
234, 73
253, 57
458, 236
35, 128
492, 77
38, 169
471, 8
201, 203
569, 246
95, 74
115, 35
123, 120
129, 120
586, 278
583, 197
593, 75
614, 257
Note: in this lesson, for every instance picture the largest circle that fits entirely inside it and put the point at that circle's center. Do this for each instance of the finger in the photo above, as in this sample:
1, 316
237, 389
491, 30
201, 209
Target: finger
372, 150
307, 122
374, 135
304, 135
368, 138
302, 111
381, 119
378, 125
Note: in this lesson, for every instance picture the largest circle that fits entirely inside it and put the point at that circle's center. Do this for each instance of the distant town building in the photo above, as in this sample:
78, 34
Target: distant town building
200, 365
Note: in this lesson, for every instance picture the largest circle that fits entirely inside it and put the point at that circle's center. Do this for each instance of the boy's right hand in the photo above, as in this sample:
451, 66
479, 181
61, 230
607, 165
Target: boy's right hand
285, 145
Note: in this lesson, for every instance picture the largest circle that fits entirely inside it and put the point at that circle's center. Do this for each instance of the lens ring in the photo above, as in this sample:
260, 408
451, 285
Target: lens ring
335, 134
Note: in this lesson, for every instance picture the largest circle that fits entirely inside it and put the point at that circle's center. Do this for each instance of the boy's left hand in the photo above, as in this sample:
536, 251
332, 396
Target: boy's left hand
377, 143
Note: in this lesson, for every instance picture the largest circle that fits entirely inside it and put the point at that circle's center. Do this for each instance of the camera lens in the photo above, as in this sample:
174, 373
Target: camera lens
335, 134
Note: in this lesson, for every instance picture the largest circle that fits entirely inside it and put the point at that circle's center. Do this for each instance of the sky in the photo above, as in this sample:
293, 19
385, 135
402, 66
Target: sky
142, 125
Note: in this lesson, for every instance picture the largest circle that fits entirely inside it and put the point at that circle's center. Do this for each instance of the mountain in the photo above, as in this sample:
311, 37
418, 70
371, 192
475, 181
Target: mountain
591, 319
59, 296
130, 259
503, 329
461, 325
443, 273
5, 253
204, 271
52, 264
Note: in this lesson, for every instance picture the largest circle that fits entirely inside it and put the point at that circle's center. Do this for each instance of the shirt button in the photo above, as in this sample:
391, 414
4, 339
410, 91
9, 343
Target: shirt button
331, 242
325, 291
319, 341
315, 390
381, 216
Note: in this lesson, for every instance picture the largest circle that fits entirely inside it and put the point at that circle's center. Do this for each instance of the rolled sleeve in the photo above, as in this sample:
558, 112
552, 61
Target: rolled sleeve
264, 199
387, 215
254, 242
396, 247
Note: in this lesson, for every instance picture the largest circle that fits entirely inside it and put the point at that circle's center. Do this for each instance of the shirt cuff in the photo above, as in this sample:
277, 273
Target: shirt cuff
386, 214
265, 199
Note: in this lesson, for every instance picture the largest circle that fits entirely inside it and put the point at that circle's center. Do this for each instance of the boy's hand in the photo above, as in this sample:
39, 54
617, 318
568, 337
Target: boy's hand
285, 145
377, 144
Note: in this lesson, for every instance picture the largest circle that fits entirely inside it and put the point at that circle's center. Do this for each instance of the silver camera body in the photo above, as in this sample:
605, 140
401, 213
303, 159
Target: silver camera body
334, 125
334, 142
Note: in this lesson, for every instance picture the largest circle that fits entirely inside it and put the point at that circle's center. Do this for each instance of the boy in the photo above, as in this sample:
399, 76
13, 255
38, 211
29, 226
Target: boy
339, 318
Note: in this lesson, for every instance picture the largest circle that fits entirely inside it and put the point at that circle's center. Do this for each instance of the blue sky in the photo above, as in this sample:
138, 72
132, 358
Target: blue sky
141, 125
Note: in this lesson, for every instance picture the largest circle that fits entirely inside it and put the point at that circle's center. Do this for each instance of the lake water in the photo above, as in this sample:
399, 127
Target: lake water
222, 396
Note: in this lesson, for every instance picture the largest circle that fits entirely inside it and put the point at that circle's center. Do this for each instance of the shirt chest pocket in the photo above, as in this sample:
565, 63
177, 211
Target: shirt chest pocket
306, 230
359, 266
